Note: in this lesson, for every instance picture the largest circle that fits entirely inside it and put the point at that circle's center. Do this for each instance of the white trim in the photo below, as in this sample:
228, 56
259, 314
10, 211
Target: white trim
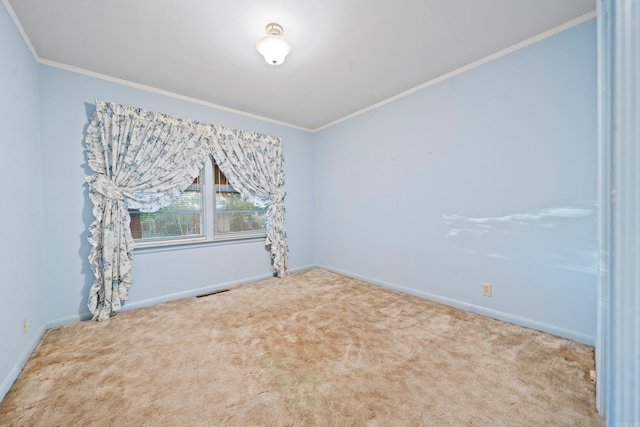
560, 28
621, 133
522, 321
208, 182
604, 212
22, 360
304, 267
517, 320
21, 30
61, 321
126, 306
9, 380
171, 297
553, 31
152, 89
177, 245
193, 292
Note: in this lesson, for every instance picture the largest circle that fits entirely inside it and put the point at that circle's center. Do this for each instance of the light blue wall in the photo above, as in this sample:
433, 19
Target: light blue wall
66, 105
489, 176
21, 196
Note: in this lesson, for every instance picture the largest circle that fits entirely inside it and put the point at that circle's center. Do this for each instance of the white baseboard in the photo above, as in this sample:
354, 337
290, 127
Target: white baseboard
170, 297
517, 320
544, 327
203, 290
24, 357
306, 267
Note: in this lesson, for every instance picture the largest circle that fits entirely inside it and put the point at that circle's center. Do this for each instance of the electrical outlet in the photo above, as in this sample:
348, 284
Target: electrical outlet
486, 290
24, 326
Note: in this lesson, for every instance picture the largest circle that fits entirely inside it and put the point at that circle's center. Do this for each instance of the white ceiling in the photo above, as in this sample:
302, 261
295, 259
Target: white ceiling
347, 54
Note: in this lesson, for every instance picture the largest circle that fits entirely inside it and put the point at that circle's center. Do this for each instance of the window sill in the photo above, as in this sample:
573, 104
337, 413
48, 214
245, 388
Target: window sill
178, 245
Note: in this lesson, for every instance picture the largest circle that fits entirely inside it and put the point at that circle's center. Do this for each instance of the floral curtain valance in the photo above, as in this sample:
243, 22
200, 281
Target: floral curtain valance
144, 160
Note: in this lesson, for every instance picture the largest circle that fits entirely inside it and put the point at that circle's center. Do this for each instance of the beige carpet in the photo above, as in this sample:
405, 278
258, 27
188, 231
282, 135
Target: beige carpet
312, 349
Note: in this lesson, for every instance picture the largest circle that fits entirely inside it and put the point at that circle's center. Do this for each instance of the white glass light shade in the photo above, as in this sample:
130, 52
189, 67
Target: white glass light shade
273, 47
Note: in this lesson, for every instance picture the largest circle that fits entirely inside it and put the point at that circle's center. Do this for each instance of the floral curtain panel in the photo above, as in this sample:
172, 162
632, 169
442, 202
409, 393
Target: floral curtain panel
144, 160
253, 165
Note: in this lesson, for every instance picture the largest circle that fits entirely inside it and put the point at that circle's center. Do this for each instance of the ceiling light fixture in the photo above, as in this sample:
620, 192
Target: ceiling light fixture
273, 46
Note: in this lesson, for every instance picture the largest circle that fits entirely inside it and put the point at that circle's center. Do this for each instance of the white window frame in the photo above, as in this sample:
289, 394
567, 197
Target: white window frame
208, 235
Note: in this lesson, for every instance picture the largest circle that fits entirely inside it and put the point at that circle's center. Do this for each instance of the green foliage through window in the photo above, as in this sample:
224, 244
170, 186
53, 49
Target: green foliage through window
235, 215
182, 218
186, 216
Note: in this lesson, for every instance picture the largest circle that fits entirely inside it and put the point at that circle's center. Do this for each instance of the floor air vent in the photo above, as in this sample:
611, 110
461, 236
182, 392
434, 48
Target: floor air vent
219, 291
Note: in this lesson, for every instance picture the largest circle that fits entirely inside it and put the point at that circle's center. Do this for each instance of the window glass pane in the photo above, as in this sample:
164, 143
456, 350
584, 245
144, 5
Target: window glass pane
218, 176
235, 215
182, 218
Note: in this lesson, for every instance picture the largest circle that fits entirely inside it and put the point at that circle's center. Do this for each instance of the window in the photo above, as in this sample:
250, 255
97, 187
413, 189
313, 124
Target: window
209, 209
232, 214
183, 218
